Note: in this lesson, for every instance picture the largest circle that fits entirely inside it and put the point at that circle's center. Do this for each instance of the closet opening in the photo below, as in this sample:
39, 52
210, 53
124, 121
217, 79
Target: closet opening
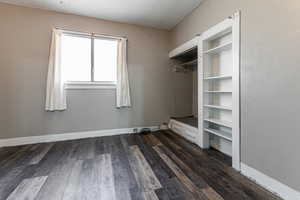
185, 110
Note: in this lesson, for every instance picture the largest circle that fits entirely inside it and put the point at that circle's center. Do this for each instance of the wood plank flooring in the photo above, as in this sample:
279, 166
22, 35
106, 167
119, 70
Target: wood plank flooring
158, 166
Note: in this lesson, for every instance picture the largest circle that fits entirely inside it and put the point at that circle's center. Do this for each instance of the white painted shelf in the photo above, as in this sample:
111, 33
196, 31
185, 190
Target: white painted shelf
218, 91
220, 48
219, 122
218, 107
222, 134
218, 77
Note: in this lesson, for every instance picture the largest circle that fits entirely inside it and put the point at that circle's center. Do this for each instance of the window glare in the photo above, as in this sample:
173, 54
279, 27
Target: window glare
76, 58
105, 60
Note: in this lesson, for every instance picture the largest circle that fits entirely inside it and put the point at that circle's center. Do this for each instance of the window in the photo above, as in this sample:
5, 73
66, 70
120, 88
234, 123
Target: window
89, 61
76, 58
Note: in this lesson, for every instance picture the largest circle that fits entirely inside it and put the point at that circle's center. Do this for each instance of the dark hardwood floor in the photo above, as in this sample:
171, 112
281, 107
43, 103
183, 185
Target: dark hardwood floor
161, 165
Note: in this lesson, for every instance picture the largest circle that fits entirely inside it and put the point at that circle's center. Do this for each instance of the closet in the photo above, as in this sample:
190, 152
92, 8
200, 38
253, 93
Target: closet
185, 64
216, 54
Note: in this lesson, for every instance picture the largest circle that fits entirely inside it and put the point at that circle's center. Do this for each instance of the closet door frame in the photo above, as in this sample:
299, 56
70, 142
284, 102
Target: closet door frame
231, 24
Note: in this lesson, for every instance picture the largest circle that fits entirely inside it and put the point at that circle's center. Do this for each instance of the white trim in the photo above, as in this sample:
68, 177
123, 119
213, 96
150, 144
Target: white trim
87, 34
184, 47
203, 139
185, 130
221, 29
69, 136
90, 85
236, 155
269, 183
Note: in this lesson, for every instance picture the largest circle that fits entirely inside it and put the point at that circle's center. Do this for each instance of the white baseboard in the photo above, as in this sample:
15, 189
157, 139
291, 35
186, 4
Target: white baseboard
270, 184
69, 136
187, 131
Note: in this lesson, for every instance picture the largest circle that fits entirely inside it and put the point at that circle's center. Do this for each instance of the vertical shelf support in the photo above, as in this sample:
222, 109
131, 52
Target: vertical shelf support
236, 157
203, 139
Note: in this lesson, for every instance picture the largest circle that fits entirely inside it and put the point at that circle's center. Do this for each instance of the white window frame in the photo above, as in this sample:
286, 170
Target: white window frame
74, 85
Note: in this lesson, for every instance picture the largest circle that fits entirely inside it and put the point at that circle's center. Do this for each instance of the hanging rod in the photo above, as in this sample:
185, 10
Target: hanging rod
192, 62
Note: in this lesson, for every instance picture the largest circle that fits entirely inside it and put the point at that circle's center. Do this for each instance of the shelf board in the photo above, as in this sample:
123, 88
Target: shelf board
219, 133
218, 77
220, 48
210, 91
219, 122
218, 107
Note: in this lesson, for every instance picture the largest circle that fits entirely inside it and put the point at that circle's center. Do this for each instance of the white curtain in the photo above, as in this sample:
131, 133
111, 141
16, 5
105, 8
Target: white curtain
123, 90
55, 95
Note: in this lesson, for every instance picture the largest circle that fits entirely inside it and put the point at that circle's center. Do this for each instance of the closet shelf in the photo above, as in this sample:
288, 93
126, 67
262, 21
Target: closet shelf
211, 91
222, 134
218, 77
218, 107
220, 48
219, 122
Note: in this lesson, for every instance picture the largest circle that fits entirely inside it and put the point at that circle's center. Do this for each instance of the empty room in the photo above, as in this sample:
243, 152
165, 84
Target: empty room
149, 100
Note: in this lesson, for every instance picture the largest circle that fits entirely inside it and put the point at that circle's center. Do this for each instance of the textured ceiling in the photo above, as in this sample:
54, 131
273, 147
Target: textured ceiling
163, 14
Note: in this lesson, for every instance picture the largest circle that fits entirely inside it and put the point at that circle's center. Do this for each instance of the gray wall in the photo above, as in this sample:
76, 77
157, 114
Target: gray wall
24, 49
270, 74
182, 94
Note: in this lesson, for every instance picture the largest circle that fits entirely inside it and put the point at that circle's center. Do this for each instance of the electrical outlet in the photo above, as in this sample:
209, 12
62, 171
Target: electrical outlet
135, 130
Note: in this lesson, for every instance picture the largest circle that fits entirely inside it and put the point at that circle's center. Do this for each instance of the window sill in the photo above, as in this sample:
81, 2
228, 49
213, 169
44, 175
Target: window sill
90, 85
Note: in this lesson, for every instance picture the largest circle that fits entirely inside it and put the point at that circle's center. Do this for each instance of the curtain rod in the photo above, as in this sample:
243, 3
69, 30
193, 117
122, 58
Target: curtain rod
91, 34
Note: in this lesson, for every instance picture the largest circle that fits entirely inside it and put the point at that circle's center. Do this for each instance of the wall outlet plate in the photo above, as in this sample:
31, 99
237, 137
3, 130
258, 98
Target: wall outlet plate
135, 130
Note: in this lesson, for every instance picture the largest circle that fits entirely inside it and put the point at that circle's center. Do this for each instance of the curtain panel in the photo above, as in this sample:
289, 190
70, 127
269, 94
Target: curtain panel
123, 89
55, 94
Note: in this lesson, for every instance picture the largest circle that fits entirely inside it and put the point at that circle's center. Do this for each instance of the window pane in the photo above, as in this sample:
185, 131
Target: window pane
105, 60
76, 58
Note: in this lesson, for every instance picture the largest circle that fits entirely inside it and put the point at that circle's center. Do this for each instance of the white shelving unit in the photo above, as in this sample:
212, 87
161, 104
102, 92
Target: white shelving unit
219, 87
216, 54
